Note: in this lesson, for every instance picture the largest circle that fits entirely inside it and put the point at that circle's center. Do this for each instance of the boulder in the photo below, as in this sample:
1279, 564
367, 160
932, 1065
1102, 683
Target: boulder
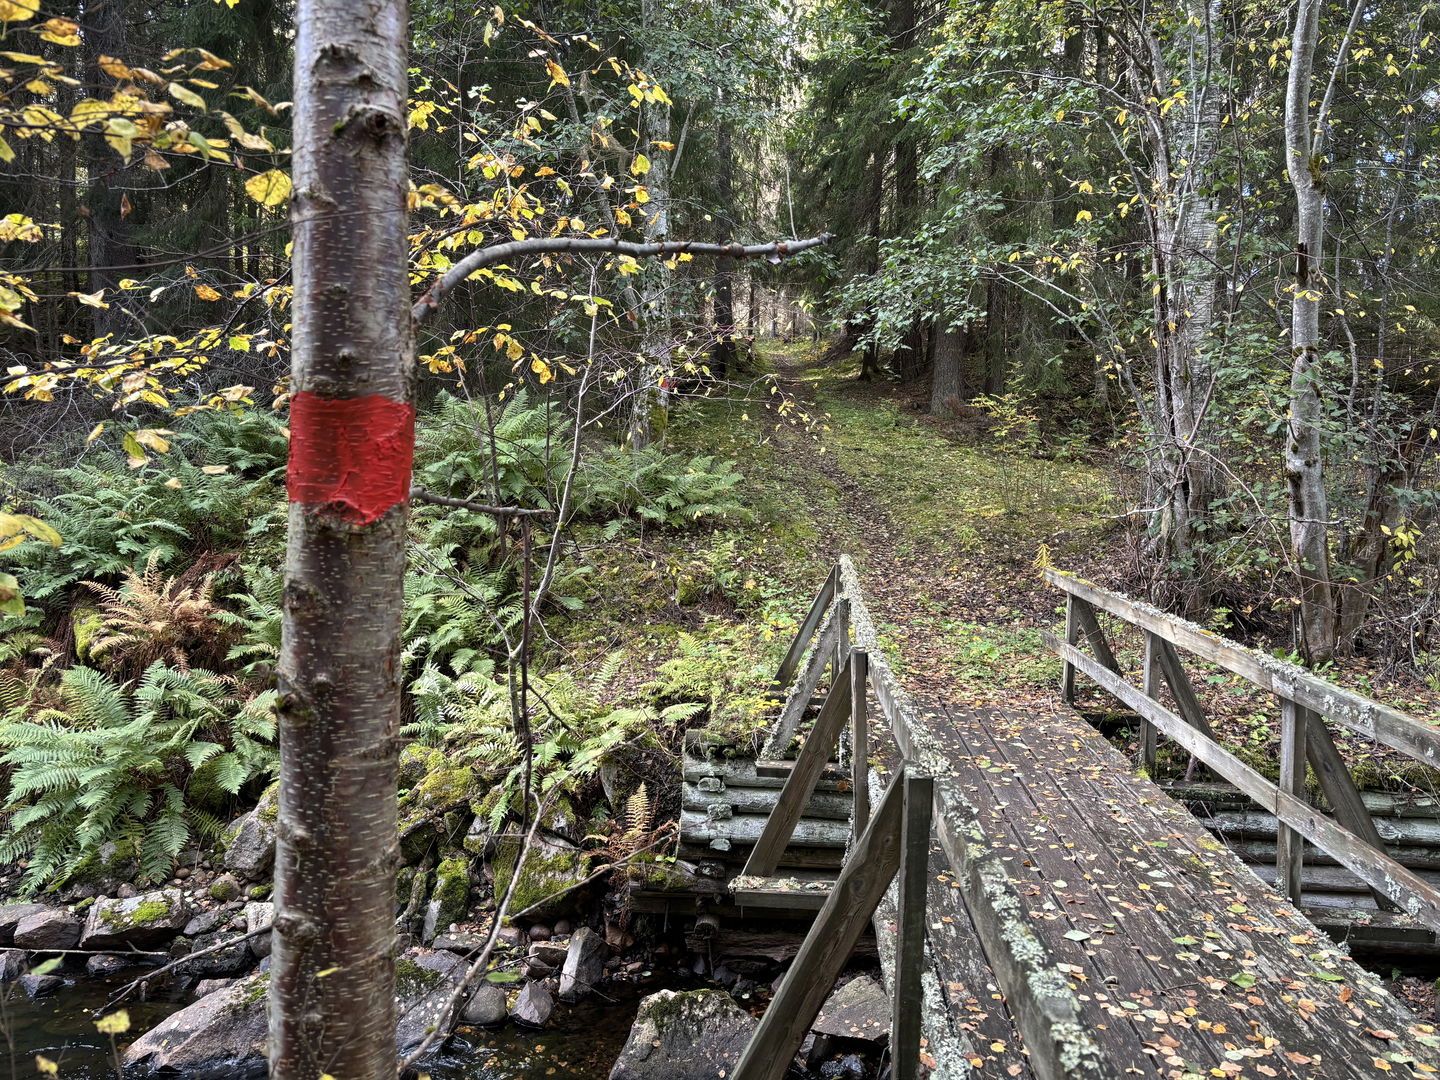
258, 914
449, 900
694, 1035
486, 1007
38, 986
250, 839
548, 953
221, 1035
424, 981
139, 922
209, 986
205, 922
584, 964
534, 1006
461, 941
48, 928
11, 916
858, 1010
479, 838
511, 937
12, 964
550, 869
105, 964
232, 959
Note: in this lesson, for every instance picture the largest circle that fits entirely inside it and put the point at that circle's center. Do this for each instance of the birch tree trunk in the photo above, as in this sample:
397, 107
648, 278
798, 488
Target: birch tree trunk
1304, 465
332, 1005
1184, 477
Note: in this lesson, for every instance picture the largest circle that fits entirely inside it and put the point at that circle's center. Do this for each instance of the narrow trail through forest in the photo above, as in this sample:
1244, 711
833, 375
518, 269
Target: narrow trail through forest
907, 586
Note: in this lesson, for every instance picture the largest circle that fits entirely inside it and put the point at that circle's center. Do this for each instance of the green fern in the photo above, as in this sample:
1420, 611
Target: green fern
147, 766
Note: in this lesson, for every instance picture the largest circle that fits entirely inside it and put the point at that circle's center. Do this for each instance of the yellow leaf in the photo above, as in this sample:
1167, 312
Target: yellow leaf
205, 292
7, 155
214, 470
60, 31
116, 69
95, 433
19, 11
135, 455
43, 1064
557, 73
640, 166
1084, 215
542, 369
118, 1022
269, 189
95, 299
153, 439
187, 96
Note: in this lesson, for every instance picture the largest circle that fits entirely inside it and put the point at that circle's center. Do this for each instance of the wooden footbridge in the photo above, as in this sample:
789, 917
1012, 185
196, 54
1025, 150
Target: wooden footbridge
1043, 911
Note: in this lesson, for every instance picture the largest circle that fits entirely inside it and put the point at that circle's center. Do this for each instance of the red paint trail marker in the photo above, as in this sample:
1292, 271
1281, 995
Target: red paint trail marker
351, 453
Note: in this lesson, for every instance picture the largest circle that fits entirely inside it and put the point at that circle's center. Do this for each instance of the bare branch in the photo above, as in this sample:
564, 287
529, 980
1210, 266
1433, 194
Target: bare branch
541, 245
419, 494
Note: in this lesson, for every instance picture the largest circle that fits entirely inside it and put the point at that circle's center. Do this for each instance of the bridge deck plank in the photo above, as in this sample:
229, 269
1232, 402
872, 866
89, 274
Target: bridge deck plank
1113, 871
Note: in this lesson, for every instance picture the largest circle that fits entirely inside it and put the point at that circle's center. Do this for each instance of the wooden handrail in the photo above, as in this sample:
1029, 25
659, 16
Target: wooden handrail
1391, 727
1040, 998
1416, 897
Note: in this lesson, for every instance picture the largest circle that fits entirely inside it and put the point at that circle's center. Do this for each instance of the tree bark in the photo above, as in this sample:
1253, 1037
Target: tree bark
332, 1006
108, 239
1304, 465
722, 356
1184, 477
948, 381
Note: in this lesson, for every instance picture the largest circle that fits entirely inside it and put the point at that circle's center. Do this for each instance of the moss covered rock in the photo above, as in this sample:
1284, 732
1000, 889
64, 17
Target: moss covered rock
449, 899
250, 839
141, 921
685, 1036
552, 866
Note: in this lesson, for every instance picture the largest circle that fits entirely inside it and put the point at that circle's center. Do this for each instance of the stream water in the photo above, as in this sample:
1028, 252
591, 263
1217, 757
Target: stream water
581, 1043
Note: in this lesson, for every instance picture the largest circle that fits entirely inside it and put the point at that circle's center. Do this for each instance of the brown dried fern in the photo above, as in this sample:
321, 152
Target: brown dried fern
151, 617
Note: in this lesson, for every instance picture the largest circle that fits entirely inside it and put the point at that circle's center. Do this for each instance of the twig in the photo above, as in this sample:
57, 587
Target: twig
219, 946
419, 494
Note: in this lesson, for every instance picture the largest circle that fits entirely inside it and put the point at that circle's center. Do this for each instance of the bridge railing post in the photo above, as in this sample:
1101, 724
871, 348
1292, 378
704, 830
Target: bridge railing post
907, 995
833, 937
1289, 844
859, 742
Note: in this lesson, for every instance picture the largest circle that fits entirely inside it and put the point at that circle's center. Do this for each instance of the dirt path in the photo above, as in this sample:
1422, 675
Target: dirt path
907, 591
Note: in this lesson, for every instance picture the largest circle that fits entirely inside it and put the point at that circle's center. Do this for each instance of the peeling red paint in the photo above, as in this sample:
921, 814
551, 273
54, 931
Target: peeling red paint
352, 454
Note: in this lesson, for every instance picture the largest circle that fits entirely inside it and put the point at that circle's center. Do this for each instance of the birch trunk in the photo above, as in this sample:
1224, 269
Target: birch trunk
332, 1005
1184, 478
1304, 465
